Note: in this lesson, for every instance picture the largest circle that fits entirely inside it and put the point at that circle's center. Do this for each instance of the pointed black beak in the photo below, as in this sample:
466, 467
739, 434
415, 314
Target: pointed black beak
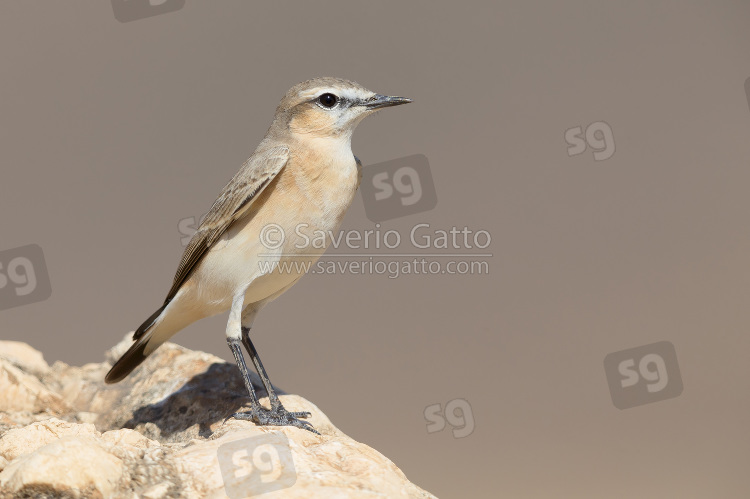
377, 101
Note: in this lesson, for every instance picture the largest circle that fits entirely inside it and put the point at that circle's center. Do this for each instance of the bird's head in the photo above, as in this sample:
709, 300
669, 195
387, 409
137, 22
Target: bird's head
329, 107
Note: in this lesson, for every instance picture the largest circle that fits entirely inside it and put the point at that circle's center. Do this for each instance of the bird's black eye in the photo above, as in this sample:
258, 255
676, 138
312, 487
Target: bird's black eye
328, 100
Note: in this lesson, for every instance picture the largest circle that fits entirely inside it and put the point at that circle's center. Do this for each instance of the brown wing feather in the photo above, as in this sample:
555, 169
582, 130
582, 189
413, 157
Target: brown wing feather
232, 203
253, 177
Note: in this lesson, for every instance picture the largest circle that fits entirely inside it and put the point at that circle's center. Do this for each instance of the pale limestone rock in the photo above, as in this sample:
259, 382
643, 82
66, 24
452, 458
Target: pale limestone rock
24, 357
128, 438
315, 466
166, 432
20, 441
21, 391
158, 491
86, 417
74, 466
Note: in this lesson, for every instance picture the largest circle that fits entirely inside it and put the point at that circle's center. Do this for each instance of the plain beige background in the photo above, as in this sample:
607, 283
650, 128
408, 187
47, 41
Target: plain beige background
110, 133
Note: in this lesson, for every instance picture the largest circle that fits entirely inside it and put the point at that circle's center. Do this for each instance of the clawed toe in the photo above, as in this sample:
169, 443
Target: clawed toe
245, 416
277, 417
300, 414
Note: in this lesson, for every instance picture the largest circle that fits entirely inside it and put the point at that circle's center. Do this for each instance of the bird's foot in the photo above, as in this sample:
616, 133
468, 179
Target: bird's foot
276, 417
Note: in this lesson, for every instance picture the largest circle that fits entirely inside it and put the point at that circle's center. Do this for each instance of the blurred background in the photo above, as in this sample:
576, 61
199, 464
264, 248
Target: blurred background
602, 145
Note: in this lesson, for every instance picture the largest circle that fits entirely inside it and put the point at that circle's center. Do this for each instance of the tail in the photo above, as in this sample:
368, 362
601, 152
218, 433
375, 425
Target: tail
146, 341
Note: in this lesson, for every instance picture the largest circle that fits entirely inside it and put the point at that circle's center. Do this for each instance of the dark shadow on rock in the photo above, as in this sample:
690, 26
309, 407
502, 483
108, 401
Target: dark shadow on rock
207, 398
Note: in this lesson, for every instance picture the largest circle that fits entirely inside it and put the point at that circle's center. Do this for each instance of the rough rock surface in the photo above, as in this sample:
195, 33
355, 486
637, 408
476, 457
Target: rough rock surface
163, 432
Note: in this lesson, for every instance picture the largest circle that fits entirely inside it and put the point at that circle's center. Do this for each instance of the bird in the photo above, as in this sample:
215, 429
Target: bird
248, 250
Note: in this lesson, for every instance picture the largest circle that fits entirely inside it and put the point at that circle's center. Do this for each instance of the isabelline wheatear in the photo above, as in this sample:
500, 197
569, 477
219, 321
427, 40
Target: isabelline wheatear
299, 181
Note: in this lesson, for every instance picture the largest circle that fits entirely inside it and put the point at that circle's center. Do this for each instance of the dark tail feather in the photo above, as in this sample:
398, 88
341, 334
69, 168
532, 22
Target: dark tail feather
129, 361
135, 354
149, 322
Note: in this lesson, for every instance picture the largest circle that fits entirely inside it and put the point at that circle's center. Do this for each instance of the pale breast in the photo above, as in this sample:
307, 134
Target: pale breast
322, 184
304, 205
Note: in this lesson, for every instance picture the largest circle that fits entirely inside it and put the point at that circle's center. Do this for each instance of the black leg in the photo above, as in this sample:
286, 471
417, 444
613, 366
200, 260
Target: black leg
234, 346
255, 358
272, 397
277, 416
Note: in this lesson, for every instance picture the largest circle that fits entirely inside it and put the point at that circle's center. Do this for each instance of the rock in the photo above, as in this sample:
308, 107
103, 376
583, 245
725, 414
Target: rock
21, 391
158, 491
20, 441
75, 466
303, 465
24, 357
86, 417
128, 439
165, 432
